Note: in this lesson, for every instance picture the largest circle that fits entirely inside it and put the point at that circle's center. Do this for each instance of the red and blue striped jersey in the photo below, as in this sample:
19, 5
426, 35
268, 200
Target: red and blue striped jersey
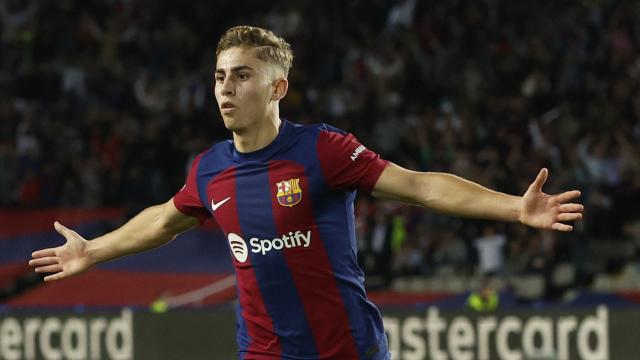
287, 212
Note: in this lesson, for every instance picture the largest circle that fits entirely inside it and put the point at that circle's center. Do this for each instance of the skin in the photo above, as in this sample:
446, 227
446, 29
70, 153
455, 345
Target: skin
255, 88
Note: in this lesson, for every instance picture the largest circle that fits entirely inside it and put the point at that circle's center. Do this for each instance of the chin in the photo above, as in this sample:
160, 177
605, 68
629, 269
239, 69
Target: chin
231, 124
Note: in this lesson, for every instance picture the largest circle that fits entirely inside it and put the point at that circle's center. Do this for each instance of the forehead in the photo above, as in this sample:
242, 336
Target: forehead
238, 56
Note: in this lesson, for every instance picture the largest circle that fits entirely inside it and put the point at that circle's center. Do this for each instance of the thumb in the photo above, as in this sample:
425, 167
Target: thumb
540, 180
61, 229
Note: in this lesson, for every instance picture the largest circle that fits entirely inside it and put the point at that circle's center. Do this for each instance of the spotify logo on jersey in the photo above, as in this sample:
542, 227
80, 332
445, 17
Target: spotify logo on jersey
294, 239
238, 247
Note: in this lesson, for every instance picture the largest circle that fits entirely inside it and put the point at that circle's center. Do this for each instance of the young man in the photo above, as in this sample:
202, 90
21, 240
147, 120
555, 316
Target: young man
283, 196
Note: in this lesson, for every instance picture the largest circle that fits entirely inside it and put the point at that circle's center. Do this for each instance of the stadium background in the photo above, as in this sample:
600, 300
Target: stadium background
104, 103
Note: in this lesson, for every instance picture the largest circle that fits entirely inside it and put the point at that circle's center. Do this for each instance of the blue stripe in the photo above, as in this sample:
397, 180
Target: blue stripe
204, 174
282, 302
211, 164
364, 317
18, 248
242, 335
196, 251
337, 231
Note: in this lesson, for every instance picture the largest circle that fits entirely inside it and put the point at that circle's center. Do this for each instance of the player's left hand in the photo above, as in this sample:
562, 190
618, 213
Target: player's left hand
544, 211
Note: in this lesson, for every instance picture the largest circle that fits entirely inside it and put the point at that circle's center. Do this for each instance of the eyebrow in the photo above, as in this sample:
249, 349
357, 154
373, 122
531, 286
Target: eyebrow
235, 69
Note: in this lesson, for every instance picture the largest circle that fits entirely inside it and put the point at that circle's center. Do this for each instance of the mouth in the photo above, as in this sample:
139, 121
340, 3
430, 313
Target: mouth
227, 107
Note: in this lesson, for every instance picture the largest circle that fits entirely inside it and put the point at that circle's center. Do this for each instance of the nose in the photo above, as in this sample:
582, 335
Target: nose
227, 87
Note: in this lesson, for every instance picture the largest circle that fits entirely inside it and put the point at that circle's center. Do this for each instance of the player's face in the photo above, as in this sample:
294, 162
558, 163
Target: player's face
244, 88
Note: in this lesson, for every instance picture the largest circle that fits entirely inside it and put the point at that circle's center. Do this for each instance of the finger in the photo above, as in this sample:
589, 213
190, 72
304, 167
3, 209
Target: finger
56, 276
567, 196
571, 208
561, 227
44, 253
540, 180
49, 268
44, 261
569, 216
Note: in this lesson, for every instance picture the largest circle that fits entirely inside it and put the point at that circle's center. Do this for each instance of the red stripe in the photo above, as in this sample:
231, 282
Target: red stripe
311, 269
254, 312
346, 163
9, 272
118, 288
22, 222
187, 199
633, 296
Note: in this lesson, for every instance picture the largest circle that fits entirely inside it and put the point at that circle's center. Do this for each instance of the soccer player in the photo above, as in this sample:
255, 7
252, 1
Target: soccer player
283, 195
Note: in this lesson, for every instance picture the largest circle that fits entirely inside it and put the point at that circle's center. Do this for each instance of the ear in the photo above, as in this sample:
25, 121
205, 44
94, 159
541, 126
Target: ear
280, 87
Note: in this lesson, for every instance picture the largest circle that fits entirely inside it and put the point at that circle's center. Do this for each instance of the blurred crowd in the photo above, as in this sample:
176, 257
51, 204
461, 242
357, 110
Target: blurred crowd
105, 102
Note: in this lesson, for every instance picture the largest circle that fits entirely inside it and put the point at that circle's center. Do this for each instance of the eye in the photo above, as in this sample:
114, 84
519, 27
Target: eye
219, 78
243, 76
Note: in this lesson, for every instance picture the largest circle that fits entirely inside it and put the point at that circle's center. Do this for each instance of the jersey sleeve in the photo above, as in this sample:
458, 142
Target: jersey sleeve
346, 163
187, 200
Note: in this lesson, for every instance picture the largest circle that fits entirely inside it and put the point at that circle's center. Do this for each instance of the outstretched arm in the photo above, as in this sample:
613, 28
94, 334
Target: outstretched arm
151, 228
450, 194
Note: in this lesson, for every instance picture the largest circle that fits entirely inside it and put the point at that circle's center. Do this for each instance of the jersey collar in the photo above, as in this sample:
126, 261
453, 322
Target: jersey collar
268, 151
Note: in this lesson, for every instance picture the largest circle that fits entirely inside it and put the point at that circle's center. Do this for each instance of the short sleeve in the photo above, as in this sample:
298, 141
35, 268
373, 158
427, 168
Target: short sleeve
346, 163
187, 200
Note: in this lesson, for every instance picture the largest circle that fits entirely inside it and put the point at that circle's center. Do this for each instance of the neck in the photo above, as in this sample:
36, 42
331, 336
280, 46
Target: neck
259, 135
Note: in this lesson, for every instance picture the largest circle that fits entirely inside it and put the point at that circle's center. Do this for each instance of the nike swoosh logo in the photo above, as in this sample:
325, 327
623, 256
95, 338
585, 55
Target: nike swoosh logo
215, 206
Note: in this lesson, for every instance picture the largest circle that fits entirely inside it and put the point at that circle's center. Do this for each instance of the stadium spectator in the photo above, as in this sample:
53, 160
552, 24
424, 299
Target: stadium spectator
488, 90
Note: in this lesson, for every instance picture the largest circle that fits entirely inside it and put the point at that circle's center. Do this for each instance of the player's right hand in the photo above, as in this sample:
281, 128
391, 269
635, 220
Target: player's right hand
65, 260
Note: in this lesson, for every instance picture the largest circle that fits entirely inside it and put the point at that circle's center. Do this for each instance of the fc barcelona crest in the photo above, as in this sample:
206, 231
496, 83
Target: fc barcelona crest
289, 192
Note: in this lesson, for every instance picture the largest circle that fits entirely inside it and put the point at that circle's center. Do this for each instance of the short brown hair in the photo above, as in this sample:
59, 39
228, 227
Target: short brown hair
272, 49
